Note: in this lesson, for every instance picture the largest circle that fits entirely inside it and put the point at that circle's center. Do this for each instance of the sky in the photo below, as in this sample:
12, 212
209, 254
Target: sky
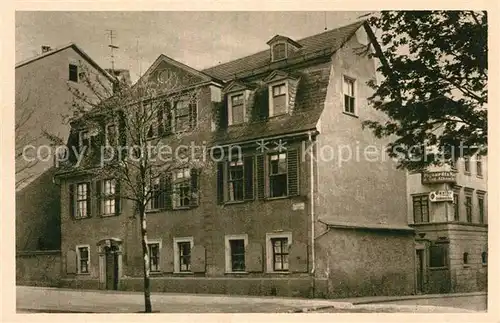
197, 39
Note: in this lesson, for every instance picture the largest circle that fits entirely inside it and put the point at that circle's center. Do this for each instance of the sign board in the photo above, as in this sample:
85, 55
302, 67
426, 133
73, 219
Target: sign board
298, 206
441, 196
438, 177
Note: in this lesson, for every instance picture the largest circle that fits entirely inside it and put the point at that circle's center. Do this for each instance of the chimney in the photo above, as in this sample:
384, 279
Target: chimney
46, 49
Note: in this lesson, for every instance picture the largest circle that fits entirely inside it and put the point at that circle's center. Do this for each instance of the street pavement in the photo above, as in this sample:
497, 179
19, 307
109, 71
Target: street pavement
53, 300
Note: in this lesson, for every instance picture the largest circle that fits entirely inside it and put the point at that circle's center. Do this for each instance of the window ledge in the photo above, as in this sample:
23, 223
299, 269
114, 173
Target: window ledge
83, 274
485, 265
236, 202
467, 173
180, 208
278, 272
479, 176
183, 273
156, 273
155, 211
350, 114
277, 198
79, 219
466, 266
236, 272
438, 268
110, 215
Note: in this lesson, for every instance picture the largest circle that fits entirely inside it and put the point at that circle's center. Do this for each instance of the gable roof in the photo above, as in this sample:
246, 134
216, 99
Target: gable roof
328, 42
76, 49
171, 61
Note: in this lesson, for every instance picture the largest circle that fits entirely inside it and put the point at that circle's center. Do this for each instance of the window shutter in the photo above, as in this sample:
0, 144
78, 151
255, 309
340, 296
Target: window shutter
167, 258
168, 118
118, 199
89, 199
72, 200
167, 195
248, 165
261, 105
122, 129
220, 182
195, 194
293, 172
73, 146
160, 120
260, 177
71, 262
253, 257
198, 254
193, 114
98, 197
298, 257
223, 113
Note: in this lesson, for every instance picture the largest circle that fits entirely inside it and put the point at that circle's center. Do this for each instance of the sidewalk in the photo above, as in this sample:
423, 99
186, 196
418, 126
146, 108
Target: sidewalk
40, 299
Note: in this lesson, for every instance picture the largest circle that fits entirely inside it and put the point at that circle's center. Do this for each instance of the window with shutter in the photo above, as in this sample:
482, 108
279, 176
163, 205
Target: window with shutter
194, 189
248, 165
293, 172
278, 178
182, 254
181, 188
80, 200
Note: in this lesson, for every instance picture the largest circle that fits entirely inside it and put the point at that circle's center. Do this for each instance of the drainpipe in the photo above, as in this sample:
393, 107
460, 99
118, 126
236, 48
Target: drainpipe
311, 175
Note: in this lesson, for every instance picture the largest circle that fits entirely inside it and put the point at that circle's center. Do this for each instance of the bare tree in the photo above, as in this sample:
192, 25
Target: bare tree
133, 132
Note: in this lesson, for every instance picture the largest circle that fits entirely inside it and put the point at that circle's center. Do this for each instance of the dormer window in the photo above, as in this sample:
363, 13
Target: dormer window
282, 47
279, 51
279, 99
236, 109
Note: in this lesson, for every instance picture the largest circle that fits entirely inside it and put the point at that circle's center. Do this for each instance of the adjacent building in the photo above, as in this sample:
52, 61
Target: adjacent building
295, 216
43, 101
447, 206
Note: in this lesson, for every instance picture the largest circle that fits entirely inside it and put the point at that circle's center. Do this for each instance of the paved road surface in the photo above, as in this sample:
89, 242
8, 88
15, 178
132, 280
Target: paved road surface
37, 299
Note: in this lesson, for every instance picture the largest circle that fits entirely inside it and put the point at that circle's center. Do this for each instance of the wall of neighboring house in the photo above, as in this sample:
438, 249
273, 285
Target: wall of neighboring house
359, 189
38, 268
42, 87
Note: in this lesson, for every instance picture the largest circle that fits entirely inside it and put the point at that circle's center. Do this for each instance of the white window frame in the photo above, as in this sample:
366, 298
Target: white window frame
271, 97
106, 197
355, 90
273, 59
227, 238
76, 201
269, 250
77, 249
175, 182
230, 105
176, 253
155, 241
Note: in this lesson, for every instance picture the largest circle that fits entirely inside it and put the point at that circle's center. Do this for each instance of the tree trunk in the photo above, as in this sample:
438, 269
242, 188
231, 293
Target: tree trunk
145, 255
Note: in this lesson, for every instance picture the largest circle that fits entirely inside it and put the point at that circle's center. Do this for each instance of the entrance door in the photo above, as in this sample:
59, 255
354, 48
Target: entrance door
420, 271
111, 268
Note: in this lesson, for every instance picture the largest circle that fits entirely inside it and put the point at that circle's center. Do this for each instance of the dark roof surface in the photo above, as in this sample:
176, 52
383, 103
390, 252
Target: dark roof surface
330, 40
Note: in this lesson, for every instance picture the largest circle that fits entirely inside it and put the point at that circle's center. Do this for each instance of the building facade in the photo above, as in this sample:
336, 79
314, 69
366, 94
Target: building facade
447, 206
294, 216
43, 101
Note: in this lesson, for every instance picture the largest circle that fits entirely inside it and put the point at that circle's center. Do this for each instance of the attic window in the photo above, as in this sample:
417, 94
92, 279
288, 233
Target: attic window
278, 51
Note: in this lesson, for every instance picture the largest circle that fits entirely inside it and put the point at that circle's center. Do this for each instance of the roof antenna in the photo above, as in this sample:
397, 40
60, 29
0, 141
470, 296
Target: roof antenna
112, 35
326, 28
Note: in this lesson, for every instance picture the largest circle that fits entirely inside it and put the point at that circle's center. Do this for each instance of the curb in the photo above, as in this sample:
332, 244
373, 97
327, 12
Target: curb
413, 297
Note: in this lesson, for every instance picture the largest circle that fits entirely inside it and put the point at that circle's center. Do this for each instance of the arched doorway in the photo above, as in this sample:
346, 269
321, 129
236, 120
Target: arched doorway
110, 263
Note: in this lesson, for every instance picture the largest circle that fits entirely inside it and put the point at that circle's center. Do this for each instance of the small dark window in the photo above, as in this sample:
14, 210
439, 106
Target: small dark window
278, 175
480, 205
484, 257
466, 258
349, 96
280, 254
73, 73
184, 256
479, 166
420, 209
279, 51
468, 208
438, 255
467, 165
182, 116
111, 135
456, 207
237, 255
154, 256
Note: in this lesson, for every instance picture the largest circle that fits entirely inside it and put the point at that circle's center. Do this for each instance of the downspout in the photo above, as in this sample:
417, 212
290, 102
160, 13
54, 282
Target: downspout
311, 203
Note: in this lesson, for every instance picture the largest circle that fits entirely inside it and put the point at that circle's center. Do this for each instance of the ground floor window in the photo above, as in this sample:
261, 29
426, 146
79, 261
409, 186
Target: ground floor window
235, 252
438, 255
277, 251
182, 252
82, 253
154, 256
